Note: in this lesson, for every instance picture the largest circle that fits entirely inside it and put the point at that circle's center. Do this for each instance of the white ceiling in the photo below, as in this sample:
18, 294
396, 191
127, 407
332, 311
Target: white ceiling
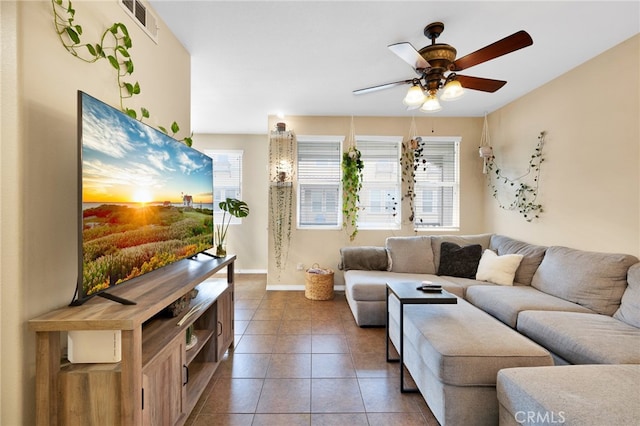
251, 59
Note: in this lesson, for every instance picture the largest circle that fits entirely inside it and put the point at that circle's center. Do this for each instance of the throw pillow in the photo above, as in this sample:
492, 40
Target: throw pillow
456, 261
498, 269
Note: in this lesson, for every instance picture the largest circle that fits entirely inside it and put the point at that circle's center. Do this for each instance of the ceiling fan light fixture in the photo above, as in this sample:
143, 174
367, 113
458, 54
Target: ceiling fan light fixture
415, 96
452, 91
431, 104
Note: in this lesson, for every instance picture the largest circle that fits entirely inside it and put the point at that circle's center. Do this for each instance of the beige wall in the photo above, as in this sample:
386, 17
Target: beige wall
248, 241
323, 246
590, 181
38, 162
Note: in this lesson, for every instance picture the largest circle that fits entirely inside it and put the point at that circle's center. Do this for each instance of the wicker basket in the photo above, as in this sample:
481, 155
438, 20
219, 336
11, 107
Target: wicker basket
318, 283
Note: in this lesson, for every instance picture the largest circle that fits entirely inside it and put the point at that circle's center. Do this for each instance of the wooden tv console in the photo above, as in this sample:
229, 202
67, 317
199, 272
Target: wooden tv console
158, 381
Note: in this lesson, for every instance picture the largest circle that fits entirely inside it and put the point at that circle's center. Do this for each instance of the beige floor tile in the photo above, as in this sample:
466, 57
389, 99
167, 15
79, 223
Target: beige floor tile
327, 326
244, 366
293, 343
296, 419
383, 395
268, 314
223, 419
262, 327
295, 327
336, 396
396, 419
339, 419
230, 395
372, 364
243, 314
285, 396
256, 344
329, 344
332, 366
298, 314
289, 366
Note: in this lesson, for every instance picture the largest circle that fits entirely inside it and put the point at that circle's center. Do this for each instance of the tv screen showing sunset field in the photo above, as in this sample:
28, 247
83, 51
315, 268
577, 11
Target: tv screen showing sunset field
147, 199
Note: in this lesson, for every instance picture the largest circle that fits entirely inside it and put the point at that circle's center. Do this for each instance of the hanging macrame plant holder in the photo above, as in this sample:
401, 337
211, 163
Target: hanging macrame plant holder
352, 166
485, 150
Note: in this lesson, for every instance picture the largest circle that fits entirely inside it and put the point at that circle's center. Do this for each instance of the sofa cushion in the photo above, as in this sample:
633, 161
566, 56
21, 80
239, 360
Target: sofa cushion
461, 240
533, 255
592, 279
459, 261
463, 346
372, 285
412, 255
629, 310
498, 269
367, 258
586, 395
583, 338
505, 303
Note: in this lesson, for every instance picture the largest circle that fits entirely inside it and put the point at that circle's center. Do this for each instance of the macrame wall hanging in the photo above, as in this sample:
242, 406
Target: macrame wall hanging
522, 190
485, 150
352, 166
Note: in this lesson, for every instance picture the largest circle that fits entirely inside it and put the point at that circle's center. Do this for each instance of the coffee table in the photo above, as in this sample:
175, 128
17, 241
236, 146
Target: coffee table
408, 294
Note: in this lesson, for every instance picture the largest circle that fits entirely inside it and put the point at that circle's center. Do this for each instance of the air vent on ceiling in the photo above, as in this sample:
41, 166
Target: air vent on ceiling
143, 17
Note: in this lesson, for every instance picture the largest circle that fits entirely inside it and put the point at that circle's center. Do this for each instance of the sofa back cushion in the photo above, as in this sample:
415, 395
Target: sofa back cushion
411, 255
365, 258
532, 256
629, 310
591, 279
461, 240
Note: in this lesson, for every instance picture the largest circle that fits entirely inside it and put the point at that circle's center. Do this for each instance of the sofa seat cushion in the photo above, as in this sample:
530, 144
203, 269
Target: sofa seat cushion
586, 395
532, 256
592, 279
372, 285
463, 346
582, 338
505, 303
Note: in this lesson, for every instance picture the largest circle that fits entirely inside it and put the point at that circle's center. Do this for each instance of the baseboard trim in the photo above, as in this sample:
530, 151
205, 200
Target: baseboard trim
295, 287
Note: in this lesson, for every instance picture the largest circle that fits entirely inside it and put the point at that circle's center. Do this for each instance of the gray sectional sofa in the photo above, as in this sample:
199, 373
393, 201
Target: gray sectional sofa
564, 306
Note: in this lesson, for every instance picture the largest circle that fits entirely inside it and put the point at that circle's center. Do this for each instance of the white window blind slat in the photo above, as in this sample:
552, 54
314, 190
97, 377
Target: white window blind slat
318, 174
380, 194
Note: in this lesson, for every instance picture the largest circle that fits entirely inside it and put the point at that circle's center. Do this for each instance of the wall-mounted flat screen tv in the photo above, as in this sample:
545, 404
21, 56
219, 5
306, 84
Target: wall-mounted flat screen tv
145, 199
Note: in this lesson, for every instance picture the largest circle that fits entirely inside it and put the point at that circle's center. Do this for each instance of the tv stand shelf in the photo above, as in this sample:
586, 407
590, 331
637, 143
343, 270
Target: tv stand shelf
158, 380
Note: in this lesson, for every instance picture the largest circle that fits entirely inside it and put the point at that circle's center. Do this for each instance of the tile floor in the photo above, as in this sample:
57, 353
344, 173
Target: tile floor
303, 362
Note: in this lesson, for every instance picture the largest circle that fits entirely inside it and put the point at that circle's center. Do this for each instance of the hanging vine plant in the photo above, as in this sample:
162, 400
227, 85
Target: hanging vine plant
352, 166
526, 194
113, 46
410, 161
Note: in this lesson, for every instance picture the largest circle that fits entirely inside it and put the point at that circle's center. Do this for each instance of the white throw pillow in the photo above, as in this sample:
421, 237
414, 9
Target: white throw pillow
498, 269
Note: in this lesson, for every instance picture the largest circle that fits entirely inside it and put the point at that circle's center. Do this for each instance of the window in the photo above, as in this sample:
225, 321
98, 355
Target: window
380, 194
227, 179
319, 186
437, 188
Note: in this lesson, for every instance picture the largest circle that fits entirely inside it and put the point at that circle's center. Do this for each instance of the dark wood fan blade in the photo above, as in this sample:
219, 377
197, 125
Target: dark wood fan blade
409, 54
508, 44
482, 84
380, 87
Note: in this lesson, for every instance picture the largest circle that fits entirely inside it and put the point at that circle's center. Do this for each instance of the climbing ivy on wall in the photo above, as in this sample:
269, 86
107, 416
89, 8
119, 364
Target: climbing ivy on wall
113, 46
524, 198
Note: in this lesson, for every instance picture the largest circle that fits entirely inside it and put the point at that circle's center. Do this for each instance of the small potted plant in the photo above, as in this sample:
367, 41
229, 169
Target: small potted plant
235, 208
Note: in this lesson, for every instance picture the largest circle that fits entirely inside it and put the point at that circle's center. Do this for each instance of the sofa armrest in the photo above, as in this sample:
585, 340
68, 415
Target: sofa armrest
365, 258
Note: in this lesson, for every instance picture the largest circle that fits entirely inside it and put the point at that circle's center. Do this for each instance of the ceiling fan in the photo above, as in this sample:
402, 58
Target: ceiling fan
436, 66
